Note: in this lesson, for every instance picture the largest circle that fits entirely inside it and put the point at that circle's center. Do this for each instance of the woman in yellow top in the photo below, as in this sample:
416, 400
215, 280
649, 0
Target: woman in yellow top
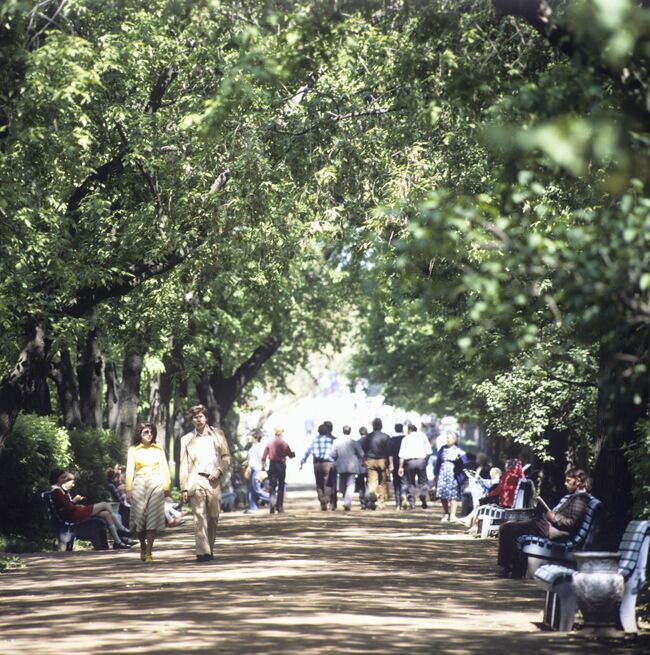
147, 484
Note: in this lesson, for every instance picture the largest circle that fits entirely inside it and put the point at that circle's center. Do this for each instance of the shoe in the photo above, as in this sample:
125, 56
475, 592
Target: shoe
279, 510
445, 518
148, 558
120, 545
346, 509
143, 554
272, 509
465, 520
204, 558
424, 502
453, 519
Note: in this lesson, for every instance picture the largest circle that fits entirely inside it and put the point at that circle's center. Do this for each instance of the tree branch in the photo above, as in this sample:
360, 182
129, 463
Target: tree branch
166, 77
88, 297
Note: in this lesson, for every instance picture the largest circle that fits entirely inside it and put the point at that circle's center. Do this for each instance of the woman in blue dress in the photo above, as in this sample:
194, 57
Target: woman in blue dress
449, 477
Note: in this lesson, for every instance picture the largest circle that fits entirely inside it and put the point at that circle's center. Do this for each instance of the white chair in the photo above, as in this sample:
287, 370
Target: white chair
490, 517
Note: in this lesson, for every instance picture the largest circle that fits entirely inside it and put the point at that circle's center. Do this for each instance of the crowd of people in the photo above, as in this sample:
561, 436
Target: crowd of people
370, 464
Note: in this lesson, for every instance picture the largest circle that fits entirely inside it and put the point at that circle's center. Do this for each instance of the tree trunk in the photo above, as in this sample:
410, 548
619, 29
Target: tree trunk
207, 397
65, 379
129, 392
32, 366
160, 396
89, 373
112, 394
226, 390
622, 403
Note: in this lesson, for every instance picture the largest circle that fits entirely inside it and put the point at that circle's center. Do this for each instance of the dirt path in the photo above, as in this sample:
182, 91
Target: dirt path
302, 582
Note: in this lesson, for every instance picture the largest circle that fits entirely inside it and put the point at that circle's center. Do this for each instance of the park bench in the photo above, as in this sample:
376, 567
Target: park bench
490, 517
93, 530
557, 580
534, 551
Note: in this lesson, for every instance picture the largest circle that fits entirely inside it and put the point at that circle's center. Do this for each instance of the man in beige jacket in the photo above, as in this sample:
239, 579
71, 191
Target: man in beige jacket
205, 459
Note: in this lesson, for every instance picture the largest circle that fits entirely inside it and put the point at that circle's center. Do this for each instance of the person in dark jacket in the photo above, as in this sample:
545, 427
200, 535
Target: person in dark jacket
376, 454
563, 520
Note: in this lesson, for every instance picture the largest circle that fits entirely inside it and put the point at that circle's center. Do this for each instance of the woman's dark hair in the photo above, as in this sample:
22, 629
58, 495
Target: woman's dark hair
322, 429
580, 476
137, 437
55, 474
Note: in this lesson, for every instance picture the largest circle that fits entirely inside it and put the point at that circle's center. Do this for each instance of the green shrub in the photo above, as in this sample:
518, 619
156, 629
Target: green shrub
93, 451
35, 446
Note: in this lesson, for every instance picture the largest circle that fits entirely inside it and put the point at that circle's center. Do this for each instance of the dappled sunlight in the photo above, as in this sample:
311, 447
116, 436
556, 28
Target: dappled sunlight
307, 581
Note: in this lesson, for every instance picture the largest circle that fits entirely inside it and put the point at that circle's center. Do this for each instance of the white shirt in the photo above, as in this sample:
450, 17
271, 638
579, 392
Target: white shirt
255, 457
415, 445
206, 453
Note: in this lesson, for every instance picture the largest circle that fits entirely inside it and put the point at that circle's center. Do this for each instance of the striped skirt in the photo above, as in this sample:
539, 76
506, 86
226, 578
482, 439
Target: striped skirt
147, 504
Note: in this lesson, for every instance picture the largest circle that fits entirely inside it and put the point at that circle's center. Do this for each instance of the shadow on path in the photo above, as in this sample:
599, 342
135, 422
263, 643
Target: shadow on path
302, 582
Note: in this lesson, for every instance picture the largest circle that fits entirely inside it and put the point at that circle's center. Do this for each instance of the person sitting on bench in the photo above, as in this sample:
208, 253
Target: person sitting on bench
70, 509
501, 494
562, 521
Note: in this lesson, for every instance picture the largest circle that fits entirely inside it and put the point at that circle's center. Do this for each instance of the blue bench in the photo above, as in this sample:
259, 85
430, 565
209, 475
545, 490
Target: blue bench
534, 551
560, 602
93, 530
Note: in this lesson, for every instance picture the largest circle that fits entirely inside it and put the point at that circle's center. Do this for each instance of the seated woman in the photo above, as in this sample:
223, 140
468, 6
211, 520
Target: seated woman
503, 494
70, 509
563, 520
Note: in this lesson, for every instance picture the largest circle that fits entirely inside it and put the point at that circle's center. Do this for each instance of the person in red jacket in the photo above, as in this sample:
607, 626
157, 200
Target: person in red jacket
503, 494
71, 510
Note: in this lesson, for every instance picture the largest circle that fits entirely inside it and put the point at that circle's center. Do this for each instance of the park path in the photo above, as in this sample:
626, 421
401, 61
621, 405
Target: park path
303, 582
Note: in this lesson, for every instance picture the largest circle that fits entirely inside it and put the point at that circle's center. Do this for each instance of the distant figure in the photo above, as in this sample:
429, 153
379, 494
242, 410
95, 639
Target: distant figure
362, 476
483, 466
449, 477
413, 456
334, 473
321, 450
147, 485
253, 469
375, 449
348, 456
276, 451
205, 459
70, 509
399, 481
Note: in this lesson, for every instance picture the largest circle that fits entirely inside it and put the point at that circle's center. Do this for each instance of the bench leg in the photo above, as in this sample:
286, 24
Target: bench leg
565, 611
628, 612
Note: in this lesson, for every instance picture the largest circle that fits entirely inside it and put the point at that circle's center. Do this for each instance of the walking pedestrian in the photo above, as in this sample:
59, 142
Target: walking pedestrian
253, 469
321, 450
449, 477
147, 485
347, 455
205, 459
276, 451
414, 454
375, 449
399, 481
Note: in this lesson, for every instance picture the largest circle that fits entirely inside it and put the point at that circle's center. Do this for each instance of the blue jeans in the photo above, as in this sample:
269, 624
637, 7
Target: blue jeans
255, 492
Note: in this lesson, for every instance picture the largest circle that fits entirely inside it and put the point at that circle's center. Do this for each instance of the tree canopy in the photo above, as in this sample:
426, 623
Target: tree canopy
218, 188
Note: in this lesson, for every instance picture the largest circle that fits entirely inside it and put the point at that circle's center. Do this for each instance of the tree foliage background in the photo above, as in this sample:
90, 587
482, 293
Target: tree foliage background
195, 195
